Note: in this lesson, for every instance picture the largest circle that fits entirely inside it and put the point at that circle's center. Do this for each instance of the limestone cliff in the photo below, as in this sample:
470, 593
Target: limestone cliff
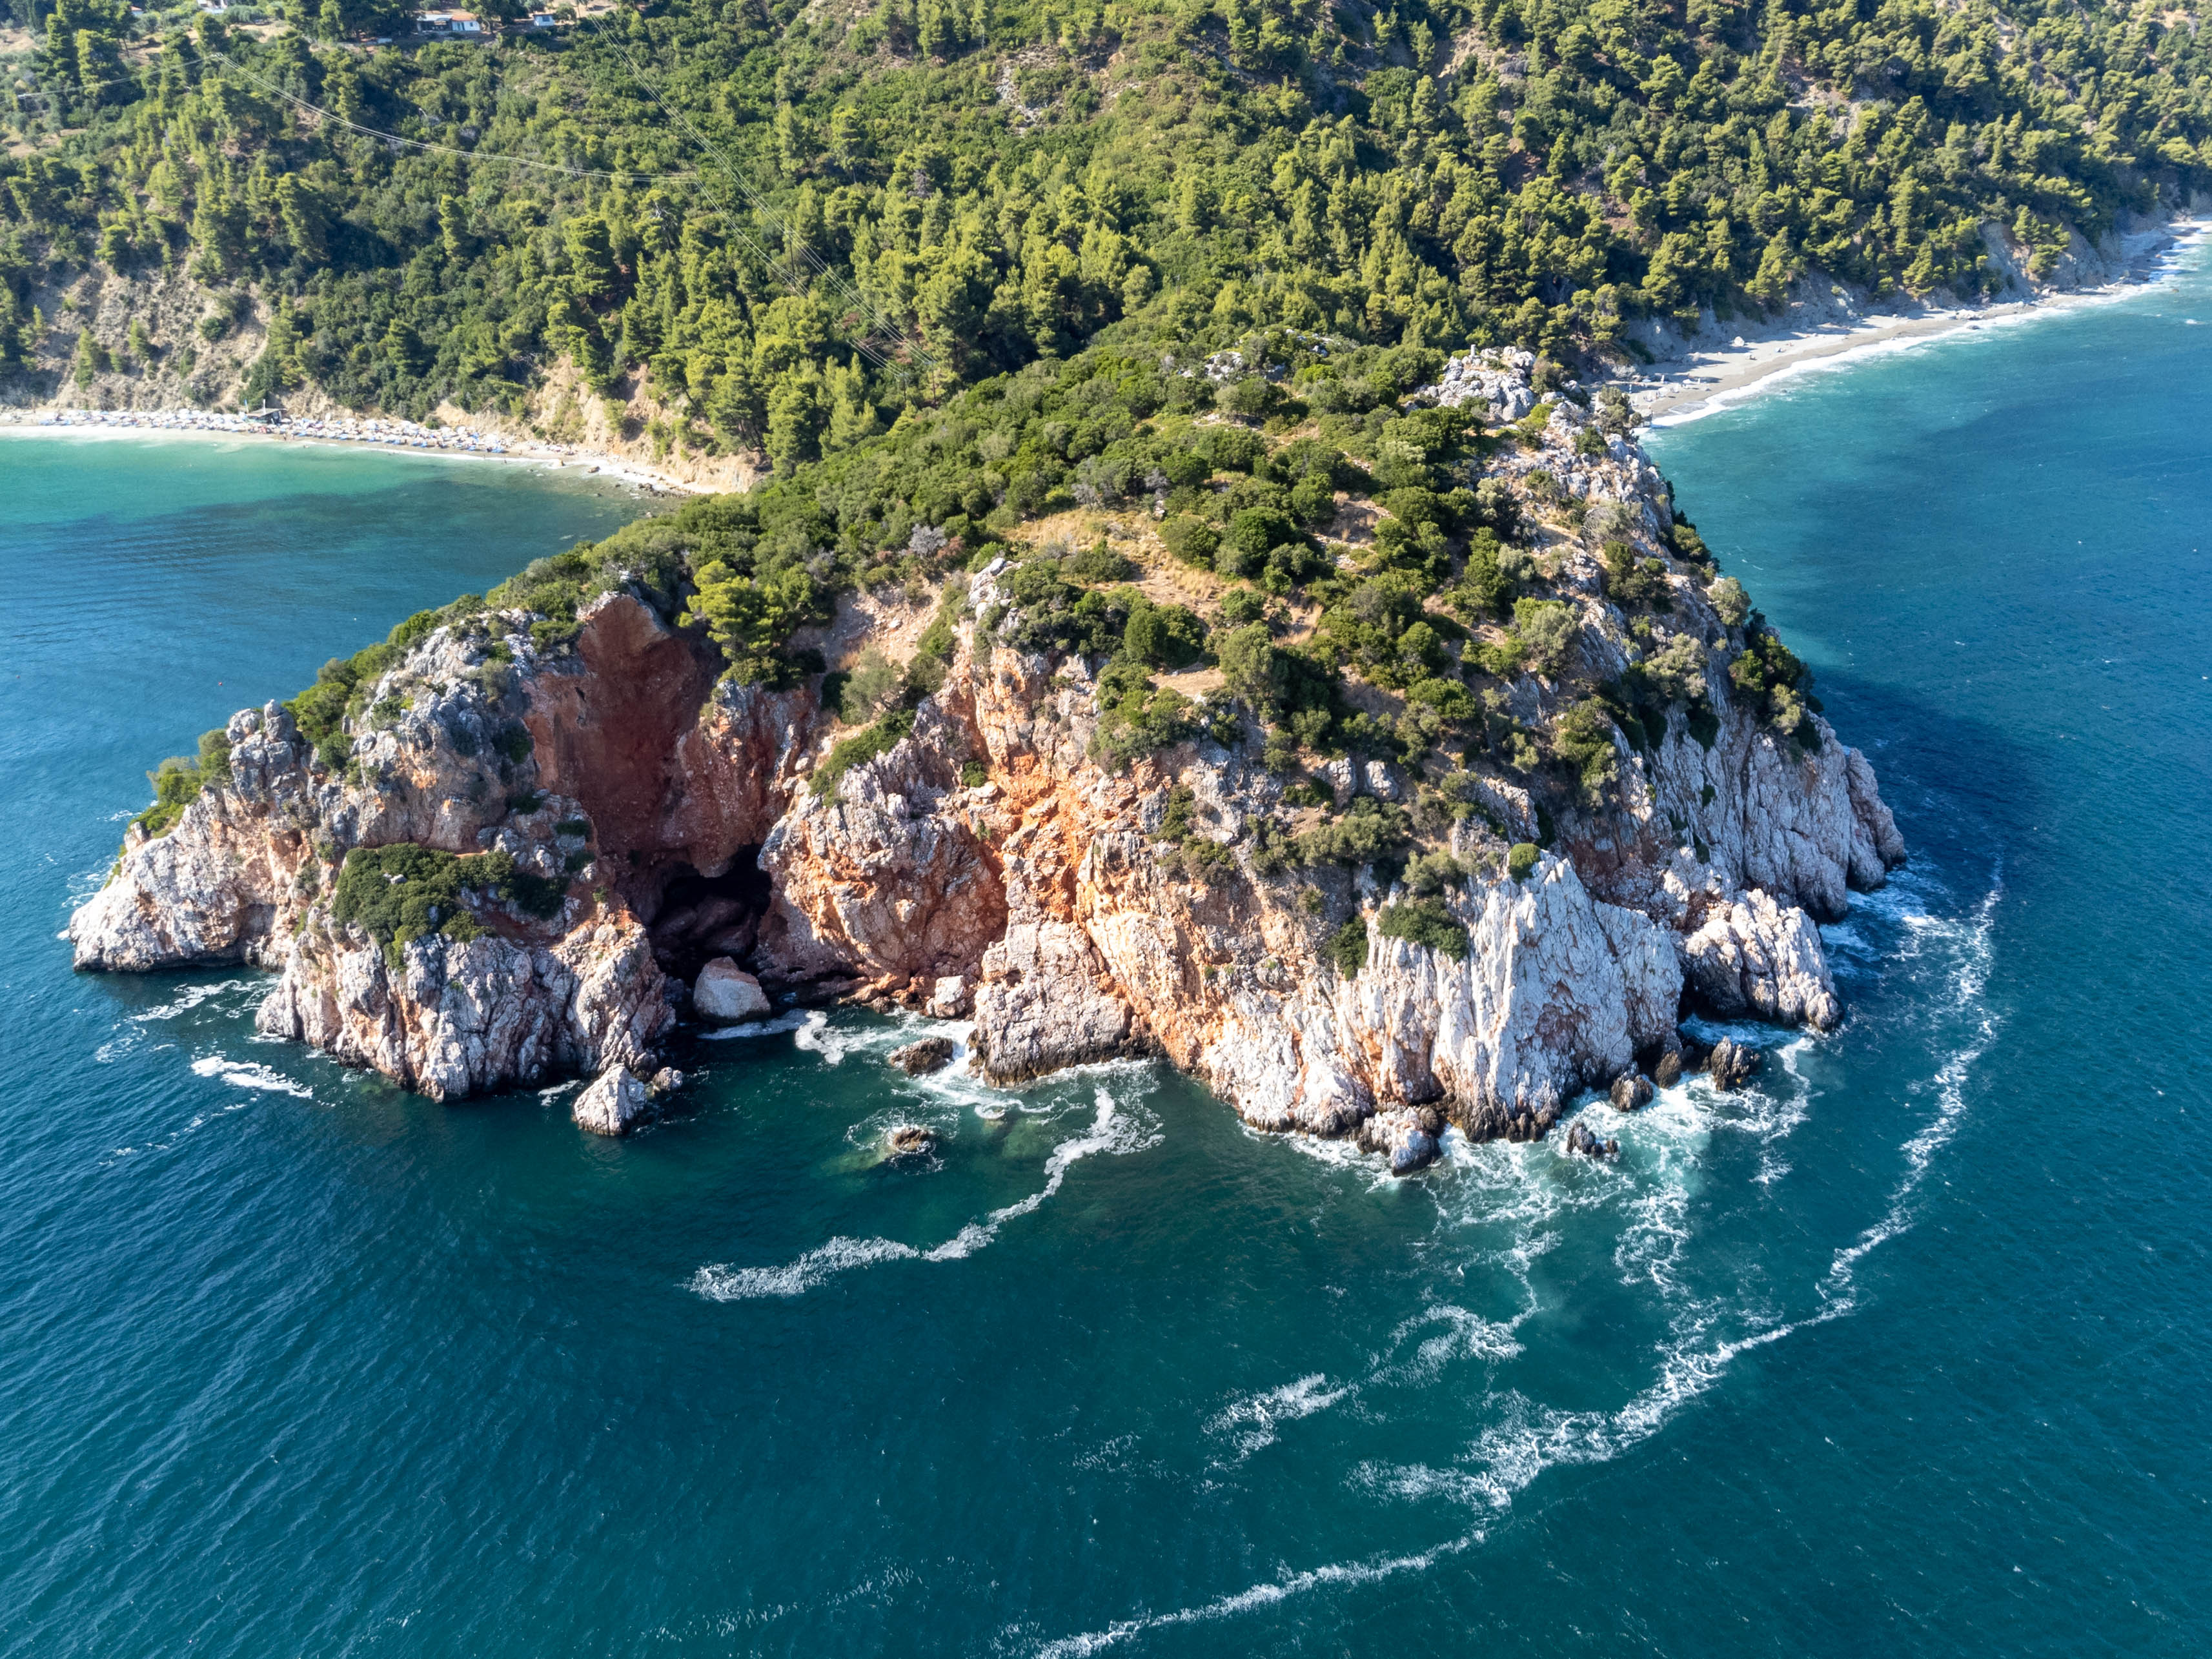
621, 815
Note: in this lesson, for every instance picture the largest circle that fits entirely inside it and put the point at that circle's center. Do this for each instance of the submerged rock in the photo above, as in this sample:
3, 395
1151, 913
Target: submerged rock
919, 1058
1580, 1139
1408, 1137
1731, 1065
903, 1140
616, 1103
725, 995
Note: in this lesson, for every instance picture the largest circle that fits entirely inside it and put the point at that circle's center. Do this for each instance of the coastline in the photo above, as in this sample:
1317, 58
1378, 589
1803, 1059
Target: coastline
369, 436
1685, 386
1759, 356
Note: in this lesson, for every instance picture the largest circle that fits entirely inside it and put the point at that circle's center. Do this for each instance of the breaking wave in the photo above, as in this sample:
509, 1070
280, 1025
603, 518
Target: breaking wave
248, 1074
1118, 1127
1524, 1437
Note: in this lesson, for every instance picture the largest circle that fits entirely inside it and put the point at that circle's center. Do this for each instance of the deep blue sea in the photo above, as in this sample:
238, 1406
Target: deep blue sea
1907, 1351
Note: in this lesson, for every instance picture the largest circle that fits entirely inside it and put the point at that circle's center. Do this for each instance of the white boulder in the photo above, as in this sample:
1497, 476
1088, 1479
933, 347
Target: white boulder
616, 1103
725, 993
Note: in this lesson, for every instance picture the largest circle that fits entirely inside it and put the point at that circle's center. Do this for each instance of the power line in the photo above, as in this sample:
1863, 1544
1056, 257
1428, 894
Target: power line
857, 301
820, 267
439, 149
489, 157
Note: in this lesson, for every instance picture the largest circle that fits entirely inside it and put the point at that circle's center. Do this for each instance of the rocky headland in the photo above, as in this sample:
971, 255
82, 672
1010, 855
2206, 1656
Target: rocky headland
528, 838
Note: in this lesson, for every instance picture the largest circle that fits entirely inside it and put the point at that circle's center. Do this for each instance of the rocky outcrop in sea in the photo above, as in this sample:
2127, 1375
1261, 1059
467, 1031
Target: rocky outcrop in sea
634, 825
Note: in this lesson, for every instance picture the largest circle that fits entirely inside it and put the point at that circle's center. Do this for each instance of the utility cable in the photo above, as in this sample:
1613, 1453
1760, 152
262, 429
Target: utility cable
489, 157
858, 301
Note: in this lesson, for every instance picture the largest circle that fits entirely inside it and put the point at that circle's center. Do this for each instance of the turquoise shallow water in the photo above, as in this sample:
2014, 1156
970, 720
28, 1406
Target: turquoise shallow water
1902, 1351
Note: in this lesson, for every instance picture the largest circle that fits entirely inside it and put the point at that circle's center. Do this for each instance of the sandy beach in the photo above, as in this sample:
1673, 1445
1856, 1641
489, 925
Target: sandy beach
1703, 378
406, 437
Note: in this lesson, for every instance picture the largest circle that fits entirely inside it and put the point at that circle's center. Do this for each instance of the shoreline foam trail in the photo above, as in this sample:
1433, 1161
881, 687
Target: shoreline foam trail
1532, 1438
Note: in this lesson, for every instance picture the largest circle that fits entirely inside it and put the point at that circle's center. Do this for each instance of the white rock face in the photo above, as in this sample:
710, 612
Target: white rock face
1045, 1001
247, 874
459, 1019
725, 993
616, 1103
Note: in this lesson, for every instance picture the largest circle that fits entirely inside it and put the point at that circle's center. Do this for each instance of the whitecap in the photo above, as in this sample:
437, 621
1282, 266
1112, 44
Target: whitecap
1271, 1593
1251, 1421
759, 1028
248, 1074
725, 1284
190, 997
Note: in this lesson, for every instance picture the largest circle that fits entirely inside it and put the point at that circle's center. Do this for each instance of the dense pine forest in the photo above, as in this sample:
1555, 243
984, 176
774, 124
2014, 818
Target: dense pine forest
788, 224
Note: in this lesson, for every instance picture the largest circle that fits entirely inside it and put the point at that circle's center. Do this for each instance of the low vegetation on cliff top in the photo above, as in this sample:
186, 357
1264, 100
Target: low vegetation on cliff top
404, 892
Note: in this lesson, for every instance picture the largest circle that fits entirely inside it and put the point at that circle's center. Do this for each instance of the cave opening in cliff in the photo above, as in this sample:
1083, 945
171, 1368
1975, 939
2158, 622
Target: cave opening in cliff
697, 917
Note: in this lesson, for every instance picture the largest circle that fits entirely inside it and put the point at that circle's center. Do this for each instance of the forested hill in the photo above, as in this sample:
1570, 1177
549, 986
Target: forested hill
790, 223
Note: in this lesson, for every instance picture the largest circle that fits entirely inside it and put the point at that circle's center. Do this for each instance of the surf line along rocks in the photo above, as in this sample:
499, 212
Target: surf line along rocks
642, 818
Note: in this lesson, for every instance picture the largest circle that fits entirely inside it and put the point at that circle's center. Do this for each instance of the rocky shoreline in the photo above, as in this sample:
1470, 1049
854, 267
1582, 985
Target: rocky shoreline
616, 822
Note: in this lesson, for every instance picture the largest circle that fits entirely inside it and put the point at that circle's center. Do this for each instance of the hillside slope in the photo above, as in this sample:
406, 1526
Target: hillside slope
764, 230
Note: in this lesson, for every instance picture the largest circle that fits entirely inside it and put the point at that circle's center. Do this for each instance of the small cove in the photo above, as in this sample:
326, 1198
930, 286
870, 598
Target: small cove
1872, 1356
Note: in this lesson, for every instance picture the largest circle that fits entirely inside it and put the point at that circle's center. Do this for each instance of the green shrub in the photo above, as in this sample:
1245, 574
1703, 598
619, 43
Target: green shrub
1135, 717
879, 739
1191, 540
1583, 741
1429, 873
974, 774
176, 785
1677, 672
1099, 563
1546, 629
1174, 822
1368, 831
177, 782
1163, 635
1730, 600
1521, 858
1253, 534
1207, 860
1240, 605
1770, 677
862, 693
1631, 583
403, 891
1425, 922
1505, 658
1484, 588
215, 755
1347, 947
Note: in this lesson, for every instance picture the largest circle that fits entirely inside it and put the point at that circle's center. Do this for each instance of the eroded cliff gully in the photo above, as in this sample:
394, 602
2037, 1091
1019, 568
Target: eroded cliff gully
675, 816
